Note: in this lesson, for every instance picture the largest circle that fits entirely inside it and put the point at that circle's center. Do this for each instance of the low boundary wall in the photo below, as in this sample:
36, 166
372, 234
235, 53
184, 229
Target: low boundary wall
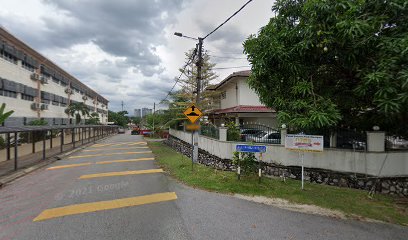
333, 167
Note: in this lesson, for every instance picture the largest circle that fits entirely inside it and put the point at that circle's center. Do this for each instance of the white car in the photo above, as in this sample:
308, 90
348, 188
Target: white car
270, 137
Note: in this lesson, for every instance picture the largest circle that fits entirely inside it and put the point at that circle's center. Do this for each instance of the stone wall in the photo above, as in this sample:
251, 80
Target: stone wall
393, 186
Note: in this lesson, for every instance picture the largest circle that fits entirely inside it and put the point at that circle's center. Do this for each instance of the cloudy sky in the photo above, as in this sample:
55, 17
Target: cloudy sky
125, 49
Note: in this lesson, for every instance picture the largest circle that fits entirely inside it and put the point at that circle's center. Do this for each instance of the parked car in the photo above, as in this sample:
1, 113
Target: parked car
121, 130
249, 132
262, 137
393, 142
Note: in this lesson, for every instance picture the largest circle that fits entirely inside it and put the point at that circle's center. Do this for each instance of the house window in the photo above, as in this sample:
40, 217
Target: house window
224, 95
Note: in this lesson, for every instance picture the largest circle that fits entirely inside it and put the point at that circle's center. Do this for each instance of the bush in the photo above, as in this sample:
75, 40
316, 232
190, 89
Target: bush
26, 137
2, 143
247, 162
233, 133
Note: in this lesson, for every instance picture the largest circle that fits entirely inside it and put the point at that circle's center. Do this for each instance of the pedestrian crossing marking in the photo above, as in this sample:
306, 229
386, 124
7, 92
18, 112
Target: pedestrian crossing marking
104, 205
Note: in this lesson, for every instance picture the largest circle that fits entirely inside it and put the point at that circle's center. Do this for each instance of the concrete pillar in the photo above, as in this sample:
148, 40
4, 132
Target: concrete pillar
333, 139
376, 141
284, 132
223, 133
237, 120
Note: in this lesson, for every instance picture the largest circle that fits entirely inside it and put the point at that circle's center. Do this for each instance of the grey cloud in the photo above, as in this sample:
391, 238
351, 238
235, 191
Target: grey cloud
125, 28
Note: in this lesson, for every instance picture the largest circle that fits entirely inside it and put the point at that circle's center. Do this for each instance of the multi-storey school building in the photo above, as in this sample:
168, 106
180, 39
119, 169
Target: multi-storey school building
36, 88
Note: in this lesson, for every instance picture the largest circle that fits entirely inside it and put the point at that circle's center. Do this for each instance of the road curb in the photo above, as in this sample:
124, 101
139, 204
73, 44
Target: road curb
4, 180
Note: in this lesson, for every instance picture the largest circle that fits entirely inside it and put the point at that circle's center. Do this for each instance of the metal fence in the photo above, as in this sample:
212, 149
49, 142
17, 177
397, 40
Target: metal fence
21, 147
259, 133
210, 131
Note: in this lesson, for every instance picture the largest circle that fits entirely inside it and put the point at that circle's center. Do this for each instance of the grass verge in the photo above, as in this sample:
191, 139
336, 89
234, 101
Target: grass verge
349, 201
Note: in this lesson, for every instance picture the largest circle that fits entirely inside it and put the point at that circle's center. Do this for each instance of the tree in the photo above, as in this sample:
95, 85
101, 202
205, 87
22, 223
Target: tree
118, 118
329, 63
76, 110
188, 81
136, 120
94, 119
4, 115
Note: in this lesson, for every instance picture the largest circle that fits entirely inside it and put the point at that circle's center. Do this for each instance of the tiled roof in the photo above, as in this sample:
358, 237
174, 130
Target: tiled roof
245, 109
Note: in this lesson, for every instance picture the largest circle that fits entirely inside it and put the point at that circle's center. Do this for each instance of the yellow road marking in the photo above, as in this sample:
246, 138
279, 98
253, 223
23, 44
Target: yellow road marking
107, 154
126, 160
105, 149
123, 173
103, 162
105, 205
69, 166
118, 144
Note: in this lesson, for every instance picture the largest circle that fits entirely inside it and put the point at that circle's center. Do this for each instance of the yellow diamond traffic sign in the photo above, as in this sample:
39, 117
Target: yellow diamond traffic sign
193, 113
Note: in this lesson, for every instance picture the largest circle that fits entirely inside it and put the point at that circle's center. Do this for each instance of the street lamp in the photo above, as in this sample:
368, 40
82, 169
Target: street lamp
181, 35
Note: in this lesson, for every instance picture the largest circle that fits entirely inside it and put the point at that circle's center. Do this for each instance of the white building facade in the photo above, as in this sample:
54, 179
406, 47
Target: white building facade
36, 88
240, 103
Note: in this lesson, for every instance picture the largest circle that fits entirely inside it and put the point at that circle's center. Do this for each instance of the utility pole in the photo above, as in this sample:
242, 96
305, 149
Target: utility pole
154, 111
194, 134
122, 106
199, 65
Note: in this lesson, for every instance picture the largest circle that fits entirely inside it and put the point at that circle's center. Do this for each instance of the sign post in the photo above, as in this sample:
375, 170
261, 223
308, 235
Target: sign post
302, 144
193, 113
250, 149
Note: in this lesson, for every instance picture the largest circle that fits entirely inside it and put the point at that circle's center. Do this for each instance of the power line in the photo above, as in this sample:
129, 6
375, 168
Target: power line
231, 67
214, 56
191, 59
227, 19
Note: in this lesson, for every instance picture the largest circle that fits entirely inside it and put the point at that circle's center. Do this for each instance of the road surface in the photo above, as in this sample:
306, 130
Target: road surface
114, 190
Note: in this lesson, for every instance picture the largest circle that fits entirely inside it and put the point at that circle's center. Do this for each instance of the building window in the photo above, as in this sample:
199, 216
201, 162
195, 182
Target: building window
8, 57
63, 84
8, 93
224, 95
27, 67
27, 97
55, 103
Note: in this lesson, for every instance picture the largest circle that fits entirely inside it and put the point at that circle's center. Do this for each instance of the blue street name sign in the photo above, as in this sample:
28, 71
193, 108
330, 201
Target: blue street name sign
251, 148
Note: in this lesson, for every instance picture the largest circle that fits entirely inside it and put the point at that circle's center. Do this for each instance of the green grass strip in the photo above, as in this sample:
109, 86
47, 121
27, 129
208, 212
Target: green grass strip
349, 201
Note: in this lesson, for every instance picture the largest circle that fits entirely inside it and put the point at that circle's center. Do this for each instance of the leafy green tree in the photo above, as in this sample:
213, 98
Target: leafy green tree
94, 119
76, 110
136, 120
119, 118
4, 115
327, 63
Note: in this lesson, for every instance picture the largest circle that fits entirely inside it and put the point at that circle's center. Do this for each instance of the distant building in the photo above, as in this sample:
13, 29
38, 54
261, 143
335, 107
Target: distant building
36, 88
146, 111
138, 112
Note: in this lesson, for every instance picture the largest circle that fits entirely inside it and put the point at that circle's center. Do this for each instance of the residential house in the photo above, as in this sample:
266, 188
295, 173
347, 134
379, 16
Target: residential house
236, 101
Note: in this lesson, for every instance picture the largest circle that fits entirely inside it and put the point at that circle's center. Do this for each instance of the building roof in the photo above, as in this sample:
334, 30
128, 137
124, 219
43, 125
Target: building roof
244, 109
41, 60
245, 73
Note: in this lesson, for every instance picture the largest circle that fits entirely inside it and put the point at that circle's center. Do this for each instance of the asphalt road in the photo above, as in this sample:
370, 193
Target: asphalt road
80, 198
